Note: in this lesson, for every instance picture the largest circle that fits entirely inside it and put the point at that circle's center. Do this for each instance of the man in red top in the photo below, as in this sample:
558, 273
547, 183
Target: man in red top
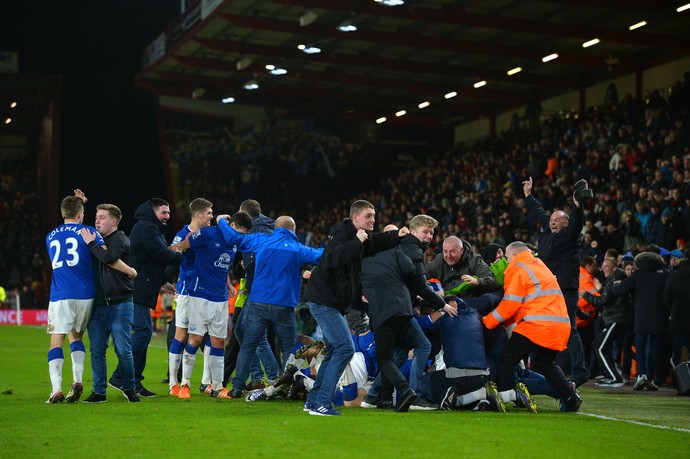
533, 301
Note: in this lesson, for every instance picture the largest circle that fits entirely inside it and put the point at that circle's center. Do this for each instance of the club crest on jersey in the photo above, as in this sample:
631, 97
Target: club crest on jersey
196, 234
223, 261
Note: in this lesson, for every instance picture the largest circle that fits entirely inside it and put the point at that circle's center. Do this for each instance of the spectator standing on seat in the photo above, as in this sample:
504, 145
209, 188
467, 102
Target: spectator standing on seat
462, 272
113, 307
560, 248
149, 255
334, 288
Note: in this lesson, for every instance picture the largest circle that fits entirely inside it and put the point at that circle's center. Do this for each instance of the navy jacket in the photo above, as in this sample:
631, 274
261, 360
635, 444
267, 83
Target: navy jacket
149, 255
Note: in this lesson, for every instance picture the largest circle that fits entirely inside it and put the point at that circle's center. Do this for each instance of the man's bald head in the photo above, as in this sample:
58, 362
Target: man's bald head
287, 222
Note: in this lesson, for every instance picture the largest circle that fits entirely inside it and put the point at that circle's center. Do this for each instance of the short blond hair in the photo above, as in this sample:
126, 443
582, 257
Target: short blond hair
422, 220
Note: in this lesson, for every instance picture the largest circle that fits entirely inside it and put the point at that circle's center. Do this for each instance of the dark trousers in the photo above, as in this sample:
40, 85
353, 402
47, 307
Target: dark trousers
518, 348
389, 336
232, 350
603, 348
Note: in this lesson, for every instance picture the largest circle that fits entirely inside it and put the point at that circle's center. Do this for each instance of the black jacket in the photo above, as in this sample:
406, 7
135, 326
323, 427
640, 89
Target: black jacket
335, 280
560, 251
677, 298
470, 263
392, 278
647, 286
149, 255
116, 285
614, 309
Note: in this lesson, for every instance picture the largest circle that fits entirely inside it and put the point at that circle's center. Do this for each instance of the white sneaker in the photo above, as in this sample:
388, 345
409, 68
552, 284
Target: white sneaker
258, 394
641, 382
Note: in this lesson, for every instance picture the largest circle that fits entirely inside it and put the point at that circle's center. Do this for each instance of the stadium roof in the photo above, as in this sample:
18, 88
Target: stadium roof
401, 56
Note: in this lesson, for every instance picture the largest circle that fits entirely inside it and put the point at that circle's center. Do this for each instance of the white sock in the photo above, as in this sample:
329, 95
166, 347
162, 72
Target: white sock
270, 391
508, 395
308, 382
174, 362
206, 377
78, 356
55, 371
466, 399
188, 361
216, 364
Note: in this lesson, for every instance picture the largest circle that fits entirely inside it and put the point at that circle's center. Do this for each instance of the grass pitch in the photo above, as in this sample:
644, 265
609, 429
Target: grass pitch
609, 425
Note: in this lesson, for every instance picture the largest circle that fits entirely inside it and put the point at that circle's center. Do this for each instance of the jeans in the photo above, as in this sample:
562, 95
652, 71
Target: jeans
142, 331
263, 355
417, 340
679, 342
115, 320
339, 351
255, 318
647, 351
578, 367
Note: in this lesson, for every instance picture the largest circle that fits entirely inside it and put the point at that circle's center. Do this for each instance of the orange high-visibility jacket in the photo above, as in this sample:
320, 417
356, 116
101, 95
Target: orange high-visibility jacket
534, 301
586, 285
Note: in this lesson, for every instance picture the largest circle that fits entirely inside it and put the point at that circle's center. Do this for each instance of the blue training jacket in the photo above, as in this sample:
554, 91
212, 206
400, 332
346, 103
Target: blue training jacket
279, 258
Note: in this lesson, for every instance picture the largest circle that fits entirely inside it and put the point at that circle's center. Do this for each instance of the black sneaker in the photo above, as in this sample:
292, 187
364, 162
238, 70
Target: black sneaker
448, 402
131, 395
75, 393
296, 389
144, 392
370, 402
573, 403
115, 385
236, 393
422, 404
95, 398
407, 399
286, 376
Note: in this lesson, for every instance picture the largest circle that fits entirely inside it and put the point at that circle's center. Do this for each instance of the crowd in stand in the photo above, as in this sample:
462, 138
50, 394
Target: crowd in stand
21, 261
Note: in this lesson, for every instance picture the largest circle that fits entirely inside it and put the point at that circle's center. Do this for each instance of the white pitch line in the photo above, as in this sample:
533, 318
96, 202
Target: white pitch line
646, 424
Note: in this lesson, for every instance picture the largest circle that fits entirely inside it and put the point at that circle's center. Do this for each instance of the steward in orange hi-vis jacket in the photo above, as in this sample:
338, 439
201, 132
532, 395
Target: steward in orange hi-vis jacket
534, 302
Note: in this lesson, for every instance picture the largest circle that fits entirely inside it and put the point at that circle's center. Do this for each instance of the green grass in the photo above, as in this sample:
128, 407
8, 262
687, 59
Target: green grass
205, 427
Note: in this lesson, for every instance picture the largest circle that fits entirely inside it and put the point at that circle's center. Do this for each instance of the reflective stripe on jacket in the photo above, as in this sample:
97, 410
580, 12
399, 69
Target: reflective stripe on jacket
534, 301
586, 285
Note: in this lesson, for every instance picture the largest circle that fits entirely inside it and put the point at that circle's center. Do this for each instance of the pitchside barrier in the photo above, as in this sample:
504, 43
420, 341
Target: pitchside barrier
15, 315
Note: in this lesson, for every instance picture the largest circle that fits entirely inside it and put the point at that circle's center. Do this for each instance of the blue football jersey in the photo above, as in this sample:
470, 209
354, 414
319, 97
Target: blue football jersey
366, 345
187, 265
72, 264
211, 264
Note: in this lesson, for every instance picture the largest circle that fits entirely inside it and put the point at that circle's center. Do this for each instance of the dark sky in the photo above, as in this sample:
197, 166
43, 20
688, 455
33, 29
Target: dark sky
109, 143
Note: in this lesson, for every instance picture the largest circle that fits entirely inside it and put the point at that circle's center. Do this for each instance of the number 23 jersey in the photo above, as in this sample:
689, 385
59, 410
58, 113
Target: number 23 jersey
70, 258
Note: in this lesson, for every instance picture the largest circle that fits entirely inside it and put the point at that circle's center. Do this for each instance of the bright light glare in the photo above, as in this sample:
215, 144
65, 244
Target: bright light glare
423, 105
450, 95
550, 57
228, 100
400, 113
682, 8
514, 71
638, 25
8, 120
13, 104
479, 84
591, 42
381, 120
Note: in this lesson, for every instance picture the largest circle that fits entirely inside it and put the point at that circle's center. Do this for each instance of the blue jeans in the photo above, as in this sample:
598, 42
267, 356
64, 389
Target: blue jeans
647, 352
255, 319
115, 320
142, 331
339, 351
263, 355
